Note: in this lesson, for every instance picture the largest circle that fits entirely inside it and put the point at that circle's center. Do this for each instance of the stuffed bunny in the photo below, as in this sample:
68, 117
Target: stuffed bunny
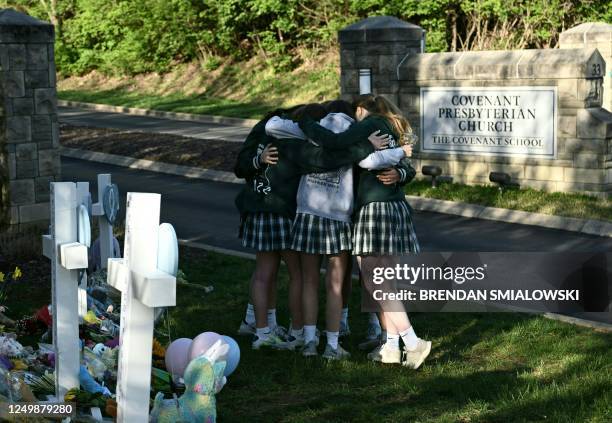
203, 379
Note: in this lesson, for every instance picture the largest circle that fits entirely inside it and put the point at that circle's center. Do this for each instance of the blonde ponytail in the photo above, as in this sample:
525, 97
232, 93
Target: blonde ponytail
393, 114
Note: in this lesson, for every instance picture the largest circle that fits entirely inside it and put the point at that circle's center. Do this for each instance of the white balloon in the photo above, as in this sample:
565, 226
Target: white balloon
84, 226
167, 249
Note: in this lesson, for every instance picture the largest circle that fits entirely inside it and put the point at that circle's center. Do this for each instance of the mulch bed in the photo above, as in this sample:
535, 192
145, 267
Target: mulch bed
168, 148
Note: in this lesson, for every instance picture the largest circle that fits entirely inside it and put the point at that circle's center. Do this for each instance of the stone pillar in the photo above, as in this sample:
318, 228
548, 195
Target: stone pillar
29, 137
378, 44
593, 35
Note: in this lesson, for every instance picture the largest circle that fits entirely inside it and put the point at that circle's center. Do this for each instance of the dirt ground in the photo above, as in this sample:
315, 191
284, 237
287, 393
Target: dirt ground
175, 149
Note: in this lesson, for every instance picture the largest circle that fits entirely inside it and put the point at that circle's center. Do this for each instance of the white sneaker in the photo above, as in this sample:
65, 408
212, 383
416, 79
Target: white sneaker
280, 331
295, 342
310, 349
246, 329
413, 359
373, 337
374, 355
337, 354
272, 341
389, 355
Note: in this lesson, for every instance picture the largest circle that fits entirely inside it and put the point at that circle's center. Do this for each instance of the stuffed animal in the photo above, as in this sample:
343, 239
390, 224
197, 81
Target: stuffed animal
203, 379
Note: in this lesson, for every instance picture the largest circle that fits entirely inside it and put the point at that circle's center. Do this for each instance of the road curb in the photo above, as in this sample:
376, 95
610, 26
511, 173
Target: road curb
152, 166
222, 120
588, 227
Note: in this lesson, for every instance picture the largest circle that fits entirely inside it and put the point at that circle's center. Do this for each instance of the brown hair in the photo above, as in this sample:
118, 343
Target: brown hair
340, 106
381, 106
313, 110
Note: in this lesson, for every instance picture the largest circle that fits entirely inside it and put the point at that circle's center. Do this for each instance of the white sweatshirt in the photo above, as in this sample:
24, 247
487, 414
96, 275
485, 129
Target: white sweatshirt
330, 194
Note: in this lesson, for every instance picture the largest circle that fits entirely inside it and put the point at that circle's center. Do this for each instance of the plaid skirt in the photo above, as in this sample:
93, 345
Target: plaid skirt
264, 231
319, 235
385, 228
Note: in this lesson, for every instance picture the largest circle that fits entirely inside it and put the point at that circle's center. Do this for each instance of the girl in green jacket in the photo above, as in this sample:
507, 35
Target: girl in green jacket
269, 234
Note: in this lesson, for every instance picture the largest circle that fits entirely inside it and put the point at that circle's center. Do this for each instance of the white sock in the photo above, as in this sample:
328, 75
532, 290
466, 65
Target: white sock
332, 339
410, 339
296, 333
344, 318
310, 332
263, 333
249, 317
373, 319
393, 341
272, 317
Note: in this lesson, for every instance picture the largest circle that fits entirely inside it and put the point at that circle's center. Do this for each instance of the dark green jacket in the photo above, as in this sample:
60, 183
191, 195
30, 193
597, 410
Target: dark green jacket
274, 188
247, 163
370, 189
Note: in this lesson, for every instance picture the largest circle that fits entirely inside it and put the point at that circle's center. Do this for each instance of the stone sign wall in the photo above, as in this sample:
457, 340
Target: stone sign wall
534, 114
29, 138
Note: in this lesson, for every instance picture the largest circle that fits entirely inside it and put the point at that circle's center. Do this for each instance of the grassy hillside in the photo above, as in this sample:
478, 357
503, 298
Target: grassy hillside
240, 89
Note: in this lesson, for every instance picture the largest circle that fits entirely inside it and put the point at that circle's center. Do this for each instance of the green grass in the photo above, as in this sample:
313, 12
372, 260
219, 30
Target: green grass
526, 199
236, 89
175, 102
483, 367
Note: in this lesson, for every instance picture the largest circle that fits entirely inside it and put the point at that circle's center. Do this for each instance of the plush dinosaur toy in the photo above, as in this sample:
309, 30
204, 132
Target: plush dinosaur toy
203, 379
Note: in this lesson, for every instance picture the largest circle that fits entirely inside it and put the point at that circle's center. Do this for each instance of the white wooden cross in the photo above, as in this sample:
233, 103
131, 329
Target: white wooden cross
106, 229
143, 287
83, 197
67, 256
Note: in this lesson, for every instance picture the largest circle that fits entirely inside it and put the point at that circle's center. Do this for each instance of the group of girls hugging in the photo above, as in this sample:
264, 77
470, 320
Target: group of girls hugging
325, 182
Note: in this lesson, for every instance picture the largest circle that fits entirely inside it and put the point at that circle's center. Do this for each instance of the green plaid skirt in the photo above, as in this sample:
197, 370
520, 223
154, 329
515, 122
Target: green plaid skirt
264, 231
384, 228
319, 235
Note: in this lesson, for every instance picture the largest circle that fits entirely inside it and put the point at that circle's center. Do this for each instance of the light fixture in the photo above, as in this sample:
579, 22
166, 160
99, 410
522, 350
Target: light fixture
434, 172
503, 180
365, 81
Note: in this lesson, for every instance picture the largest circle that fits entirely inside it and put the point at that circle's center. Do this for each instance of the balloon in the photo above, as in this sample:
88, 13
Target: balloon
202, 343
177, 356
167, 249
233, 356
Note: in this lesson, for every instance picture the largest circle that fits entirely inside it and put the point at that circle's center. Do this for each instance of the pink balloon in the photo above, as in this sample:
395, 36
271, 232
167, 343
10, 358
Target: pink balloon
177, 356
202, 343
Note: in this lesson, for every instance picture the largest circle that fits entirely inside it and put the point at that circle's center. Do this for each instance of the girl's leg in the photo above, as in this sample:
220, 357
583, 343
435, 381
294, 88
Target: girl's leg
249, 316
334, 281
292, 260
311, 265
272, 291
347, 288
373, 334
266, 268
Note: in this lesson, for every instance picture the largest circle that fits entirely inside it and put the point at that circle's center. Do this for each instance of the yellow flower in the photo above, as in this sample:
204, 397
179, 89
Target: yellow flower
17, 273
1, 277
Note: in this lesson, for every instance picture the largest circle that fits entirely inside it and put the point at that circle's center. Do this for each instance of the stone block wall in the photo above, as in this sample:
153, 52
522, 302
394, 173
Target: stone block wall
29, 138
379, 44
593, 35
